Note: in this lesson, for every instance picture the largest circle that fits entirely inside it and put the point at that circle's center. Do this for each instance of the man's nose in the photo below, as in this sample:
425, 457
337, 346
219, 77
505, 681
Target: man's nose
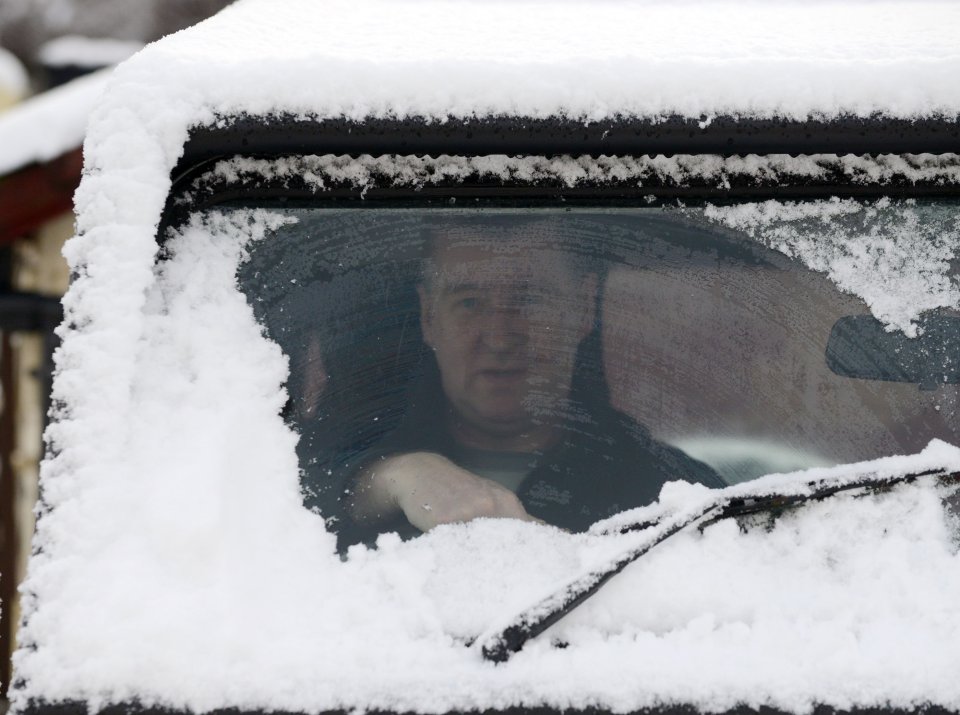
503, 327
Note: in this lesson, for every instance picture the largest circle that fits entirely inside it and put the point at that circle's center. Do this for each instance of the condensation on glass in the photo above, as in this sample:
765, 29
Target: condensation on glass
576, 358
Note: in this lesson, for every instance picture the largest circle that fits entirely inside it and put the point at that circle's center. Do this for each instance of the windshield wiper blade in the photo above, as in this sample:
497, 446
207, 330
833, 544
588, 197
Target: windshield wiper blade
500, 644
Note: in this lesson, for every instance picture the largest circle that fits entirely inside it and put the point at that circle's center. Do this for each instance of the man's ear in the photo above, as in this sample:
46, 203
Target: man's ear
588, 293
427, 326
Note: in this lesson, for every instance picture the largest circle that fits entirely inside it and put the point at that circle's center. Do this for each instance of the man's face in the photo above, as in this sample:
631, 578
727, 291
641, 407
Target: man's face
504, 321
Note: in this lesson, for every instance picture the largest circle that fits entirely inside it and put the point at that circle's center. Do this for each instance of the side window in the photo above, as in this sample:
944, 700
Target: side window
447, 365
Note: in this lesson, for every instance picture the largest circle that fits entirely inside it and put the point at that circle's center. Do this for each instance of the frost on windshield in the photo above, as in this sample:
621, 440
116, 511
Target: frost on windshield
501, 354
898, 256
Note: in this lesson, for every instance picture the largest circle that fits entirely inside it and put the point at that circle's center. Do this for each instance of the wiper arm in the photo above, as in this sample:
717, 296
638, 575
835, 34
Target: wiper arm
500, 644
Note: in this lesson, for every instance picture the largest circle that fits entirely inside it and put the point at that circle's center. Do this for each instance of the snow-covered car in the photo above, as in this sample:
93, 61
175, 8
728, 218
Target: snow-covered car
479, 356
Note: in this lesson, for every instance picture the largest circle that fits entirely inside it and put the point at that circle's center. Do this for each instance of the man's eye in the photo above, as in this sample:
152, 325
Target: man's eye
468, 303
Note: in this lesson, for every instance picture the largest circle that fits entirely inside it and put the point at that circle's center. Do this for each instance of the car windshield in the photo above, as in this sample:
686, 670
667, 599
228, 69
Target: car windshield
562, 365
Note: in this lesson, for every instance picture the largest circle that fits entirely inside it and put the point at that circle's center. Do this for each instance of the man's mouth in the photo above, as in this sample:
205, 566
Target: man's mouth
504, 376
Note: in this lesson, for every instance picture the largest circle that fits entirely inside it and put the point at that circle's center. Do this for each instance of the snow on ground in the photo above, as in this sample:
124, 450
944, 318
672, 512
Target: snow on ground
175, 563
50, 124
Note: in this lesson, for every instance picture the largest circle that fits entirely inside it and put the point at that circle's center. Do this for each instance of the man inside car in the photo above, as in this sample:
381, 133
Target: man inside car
513, 418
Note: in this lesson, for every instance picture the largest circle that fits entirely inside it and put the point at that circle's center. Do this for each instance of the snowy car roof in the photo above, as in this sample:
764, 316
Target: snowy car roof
438, 59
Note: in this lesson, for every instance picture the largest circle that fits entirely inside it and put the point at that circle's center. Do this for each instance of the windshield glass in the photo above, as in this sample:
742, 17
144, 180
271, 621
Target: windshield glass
563, 365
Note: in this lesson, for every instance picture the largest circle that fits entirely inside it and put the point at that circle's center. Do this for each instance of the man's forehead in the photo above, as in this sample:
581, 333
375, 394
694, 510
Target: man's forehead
491, 260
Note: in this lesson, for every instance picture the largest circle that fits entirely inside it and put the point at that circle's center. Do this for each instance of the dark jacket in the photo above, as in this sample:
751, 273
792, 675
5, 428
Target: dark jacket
604, 463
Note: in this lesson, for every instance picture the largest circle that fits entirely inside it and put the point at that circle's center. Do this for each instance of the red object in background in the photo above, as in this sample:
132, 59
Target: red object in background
37, 193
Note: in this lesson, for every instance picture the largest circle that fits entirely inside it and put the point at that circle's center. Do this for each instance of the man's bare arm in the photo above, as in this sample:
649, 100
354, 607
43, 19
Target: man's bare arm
429, 490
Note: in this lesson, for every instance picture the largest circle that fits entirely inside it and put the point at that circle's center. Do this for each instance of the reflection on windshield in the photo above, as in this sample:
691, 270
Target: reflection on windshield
561, 367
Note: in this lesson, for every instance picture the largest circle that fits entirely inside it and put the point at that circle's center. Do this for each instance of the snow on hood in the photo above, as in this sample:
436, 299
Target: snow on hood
174, 562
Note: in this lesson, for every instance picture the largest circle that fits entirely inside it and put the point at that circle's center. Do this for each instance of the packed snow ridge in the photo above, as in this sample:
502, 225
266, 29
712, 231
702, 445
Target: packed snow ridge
367, 171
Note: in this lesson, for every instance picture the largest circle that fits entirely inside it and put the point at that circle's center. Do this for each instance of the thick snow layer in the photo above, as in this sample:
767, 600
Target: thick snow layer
899, 264
436, 59
50, 124
177, 566
418, 171
80, 51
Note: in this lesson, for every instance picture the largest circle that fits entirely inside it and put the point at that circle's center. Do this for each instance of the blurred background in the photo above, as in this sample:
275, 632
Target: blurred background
55, 56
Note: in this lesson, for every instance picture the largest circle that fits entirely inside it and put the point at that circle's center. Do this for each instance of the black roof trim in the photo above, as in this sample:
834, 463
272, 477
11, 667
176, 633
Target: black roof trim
727, 136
